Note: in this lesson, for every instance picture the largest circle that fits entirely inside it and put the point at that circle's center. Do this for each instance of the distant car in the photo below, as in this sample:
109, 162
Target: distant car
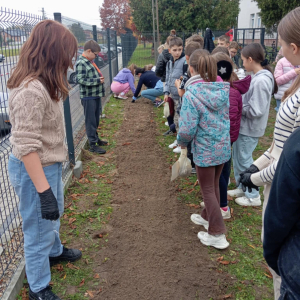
119, 49
104, 48
2, 57
5, 125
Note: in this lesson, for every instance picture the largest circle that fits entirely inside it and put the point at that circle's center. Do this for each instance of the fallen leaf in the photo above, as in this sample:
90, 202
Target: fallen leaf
95, 194
224, 262
126, 144
64, 242
227, 296
91, 220
71, 266
189, 192
58, 267
109, 182
220, 258
68, 205
72, 226
90, 294
65, 276
82, 282
96, 276
84, 180
269, 276
196, 182
71, 220
251, 246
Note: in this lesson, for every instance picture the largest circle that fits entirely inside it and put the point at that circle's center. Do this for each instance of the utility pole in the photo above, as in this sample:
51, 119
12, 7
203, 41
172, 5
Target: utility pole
154, 37
158, 39
43, 13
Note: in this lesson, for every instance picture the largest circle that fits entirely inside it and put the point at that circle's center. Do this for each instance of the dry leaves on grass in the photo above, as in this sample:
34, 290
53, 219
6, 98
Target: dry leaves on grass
96, 276
126, 144
59, 267
193, 205
72, 267
72, 220
82, 282
90, 293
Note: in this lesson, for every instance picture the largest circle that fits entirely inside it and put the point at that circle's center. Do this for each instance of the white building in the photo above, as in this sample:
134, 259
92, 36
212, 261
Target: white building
249, 16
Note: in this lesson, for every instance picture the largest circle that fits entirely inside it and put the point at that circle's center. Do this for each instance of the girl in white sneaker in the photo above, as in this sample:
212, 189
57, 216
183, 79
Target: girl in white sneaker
255, 112
261, 173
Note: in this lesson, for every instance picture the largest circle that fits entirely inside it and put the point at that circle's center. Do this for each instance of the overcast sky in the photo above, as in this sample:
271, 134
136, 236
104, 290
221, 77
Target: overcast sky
85, 11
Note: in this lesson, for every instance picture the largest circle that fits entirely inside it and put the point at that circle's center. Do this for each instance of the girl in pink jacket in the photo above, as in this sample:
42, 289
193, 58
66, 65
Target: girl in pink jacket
285, 74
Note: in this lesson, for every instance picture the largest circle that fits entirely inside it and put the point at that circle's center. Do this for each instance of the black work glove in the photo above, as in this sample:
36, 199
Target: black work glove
246, 182
49, 206
252, 169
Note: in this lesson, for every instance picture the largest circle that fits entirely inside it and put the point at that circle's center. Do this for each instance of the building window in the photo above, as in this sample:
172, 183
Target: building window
258, 21
252, 20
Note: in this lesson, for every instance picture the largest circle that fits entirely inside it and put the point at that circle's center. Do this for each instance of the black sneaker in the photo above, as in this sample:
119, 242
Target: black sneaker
169, 132
45, 294
97, 149
102, 143
67, 255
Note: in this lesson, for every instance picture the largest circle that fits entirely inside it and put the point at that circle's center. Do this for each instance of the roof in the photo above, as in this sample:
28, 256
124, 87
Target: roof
15, 32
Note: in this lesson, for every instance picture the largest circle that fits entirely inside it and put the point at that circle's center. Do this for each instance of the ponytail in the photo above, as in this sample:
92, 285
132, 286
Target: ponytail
256, 52
204, 64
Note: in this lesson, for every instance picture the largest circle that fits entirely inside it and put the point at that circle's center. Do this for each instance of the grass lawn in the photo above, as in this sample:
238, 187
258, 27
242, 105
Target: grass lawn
87, 212
10, 52
244, 258
142, 56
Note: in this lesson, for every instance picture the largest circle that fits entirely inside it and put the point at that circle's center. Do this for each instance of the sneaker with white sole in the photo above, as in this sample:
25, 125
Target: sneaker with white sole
175, 144
198, 220
177, 149
167, 124
236, 193
226, 214
244, 201
122, 97
194, 171
218, 242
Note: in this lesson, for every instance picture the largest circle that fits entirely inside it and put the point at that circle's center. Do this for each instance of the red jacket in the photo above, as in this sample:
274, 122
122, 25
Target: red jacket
239, 88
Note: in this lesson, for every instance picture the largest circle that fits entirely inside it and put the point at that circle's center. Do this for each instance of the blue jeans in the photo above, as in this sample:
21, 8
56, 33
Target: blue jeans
41, 237
152, 94
278, 102
242, 150
223, 183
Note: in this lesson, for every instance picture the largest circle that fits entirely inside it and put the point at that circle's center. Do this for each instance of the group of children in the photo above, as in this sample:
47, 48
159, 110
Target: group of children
220, 114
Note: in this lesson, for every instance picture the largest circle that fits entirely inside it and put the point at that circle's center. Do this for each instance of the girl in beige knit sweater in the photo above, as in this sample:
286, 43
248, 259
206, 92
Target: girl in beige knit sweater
38, 88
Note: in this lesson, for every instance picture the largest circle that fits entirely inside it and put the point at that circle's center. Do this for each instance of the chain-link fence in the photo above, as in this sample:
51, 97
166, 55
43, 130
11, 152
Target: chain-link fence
15, 28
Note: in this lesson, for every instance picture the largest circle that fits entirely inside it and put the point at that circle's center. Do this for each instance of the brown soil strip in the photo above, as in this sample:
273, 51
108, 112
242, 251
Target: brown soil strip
153, 251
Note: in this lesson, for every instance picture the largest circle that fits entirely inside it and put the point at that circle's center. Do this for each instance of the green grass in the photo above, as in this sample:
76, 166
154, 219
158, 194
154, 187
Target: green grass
10, 52
245, 254
88, 209
142, 56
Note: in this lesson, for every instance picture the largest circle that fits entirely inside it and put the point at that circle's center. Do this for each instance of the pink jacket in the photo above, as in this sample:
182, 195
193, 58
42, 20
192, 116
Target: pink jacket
284, 75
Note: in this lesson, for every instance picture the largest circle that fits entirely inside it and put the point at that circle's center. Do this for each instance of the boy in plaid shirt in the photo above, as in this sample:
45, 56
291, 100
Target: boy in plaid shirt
91, 82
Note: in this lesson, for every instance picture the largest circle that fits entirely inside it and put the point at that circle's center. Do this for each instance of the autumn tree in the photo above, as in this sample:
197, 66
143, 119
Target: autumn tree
114, 14
272, 11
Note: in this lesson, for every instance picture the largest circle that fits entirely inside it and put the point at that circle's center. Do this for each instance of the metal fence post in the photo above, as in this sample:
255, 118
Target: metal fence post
117, 53
67, 113
235, 34
109, 54
262, 36
95, 38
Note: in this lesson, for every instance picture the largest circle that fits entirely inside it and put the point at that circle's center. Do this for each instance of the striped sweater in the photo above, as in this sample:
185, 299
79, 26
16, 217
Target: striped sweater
287, 121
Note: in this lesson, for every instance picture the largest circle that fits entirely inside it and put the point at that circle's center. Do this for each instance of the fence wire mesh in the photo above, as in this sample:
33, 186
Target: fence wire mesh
15, 28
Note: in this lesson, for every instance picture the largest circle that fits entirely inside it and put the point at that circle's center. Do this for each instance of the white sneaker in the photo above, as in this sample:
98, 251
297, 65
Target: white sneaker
175, 144
228, 181
236, 193
122, 97
244, 201
202, 204
167, 124
226, 214
177, 149
218, 242
198, 220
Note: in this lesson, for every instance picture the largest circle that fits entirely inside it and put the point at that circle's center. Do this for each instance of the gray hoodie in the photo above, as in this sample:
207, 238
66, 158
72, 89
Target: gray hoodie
256, 104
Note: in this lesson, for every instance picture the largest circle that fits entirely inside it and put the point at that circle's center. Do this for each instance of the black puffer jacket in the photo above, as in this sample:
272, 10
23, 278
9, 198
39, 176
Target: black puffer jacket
161, 65
208, 40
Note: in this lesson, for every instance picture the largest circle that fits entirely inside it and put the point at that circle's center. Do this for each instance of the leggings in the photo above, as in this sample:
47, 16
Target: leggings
209, 182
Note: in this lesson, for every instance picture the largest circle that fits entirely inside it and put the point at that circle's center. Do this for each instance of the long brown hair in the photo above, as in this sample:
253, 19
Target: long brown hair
132, 68
289, 31
46, 56
256, 52
204, 64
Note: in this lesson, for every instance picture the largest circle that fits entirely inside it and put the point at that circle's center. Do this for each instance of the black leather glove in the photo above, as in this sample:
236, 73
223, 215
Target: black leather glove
252, 169
49, 206
246, 182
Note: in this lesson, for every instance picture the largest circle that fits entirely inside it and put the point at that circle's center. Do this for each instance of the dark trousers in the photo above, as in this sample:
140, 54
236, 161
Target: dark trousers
223, 183
190, 154
92, 110
208, 178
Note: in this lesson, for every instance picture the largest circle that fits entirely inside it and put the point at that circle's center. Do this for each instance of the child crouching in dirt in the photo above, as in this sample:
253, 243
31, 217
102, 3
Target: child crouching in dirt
204, 120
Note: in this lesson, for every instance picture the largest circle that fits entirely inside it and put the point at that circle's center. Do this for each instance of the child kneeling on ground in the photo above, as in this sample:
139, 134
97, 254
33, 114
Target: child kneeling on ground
204, 119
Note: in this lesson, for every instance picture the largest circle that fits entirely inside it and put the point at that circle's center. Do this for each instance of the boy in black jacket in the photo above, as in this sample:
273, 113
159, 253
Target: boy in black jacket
282, 220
